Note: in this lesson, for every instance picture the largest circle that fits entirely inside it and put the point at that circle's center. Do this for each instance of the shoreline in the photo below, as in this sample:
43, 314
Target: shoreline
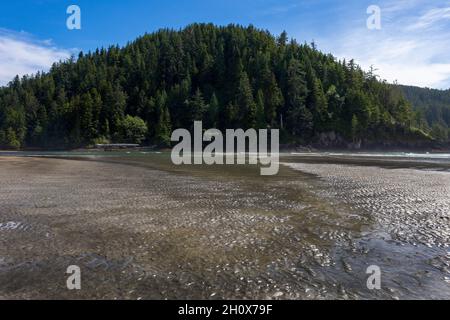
435, 148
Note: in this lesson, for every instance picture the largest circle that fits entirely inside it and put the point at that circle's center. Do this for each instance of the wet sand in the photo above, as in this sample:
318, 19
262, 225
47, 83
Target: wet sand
142, 229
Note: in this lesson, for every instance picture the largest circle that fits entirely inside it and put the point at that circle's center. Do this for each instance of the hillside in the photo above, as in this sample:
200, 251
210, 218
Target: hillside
433, 109
229, 77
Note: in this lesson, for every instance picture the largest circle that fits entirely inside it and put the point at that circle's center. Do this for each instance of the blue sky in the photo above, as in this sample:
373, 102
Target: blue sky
411, 47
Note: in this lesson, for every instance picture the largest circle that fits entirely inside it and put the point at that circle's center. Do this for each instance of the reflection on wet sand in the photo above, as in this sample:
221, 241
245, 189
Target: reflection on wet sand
141, 228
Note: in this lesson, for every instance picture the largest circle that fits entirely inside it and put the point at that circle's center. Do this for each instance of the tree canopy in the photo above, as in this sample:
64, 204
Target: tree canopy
229, 77
432, 110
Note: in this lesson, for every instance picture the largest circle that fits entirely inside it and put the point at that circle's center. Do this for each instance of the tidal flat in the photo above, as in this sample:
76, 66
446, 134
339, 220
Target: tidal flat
141, 228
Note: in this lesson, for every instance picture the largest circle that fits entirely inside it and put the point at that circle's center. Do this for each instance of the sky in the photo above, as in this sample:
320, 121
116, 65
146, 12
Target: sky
411, 46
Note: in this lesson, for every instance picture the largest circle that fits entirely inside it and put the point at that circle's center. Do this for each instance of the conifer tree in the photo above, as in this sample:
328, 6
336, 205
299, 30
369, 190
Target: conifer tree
246, 103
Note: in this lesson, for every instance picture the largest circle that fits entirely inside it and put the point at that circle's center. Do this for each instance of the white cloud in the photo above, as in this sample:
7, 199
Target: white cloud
400, 5
431, 17
20, 54
411, 48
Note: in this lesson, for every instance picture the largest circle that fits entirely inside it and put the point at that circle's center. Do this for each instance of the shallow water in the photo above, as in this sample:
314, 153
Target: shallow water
140, 227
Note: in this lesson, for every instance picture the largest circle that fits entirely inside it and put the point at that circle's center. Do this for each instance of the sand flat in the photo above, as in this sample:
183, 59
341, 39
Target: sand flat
138, 230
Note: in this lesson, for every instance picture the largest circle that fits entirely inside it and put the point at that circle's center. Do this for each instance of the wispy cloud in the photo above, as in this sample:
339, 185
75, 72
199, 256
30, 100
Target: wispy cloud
21, 54
431, 18
401, 5
411, 48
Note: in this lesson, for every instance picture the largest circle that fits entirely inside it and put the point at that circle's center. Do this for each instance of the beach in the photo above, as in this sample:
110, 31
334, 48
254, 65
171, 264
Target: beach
140, 228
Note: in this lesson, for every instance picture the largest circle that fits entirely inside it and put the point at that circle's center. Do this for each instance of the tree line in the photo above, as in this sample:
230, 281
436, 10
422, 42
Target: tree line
432, 109
228, 77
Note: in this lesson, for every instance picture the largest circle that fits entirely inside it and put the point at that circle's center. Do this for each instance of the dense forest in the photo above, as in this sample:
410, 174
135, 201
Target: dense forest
229, 77
432, 110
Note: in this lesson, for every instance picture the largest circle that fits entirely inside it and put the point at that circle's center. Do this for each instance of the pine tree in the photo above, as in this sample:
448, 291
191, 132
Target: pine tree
213, 112
319, 105
86, 117
299, 119
274, 101
197, 106
163, 127
246, 103
260, 113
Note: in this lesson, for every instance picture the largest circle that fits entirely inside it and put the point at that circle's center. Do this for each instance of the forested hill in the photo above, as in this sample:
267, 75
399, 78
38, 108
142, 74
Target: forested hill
229, 77
432, 106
